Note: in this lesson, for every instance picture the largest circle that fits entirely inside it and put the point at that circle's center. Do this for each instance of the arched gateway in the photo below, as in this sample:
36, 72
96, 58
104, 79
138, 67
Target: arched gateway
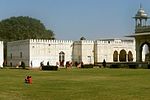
142, 35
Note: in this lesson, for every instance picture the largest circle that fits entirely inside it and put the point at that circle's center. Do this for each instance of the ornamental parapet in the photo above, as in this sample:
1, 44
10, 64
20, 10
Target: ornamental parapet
142, 29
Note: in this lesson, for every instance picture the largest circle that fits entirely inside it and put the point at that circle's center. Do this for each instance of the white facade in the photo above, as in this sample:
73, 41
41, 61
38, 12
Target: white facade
1, 53
105, 49
50, 51
34, 51
83, 51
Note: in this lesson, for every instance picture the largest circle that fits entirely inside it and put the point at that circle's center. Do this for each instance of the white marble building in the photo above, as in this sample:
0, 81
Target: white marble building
34, 51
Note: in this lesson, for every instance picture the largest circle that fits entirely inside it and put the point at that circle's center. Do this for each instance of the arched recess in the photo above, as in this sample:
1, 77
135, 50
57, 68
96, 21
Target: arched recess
61, 58
122, 56
130, 56
145, 52
115, 56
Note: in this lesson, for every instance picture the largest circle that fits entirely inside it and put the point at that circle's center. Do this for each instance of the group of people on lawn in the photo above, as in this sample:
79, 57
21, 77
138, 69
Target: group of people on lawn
70, 64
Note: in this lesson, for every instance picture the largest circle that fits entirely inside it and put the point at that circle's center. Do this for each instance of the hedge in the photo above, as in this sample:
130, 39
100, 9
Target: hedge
48, 67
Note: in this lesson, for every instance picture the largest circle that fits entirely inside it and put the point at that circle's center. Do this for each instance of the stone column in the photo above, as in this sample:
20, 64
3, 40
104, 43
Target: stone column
118, 57
138, 52
126, 57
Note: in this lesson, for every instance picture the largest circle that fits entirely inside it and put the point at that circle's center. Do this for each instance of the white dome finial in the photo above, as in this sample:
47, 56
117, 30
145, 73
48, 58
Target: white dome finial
141, 13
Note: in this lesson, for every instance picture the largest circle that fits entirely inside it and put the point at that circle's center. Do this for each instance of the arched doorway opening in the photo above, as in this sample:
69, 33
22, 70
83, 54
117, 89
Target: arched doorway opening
61, 58
122, 56
144, 52
130, 56
115, 56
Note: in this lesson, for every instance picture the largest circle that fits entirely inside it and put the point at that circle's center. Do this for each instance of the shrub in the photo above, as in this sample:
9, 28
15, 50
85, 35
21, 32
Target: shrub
48, 67
114, 66
148, 66
133, 66
87, 66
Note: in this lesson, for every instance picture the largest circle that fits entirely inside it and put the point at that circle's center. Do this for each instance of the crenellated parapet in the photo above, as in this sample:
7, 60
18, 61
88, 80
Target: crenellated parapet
115, 41
50, 41
84, 42
87, 41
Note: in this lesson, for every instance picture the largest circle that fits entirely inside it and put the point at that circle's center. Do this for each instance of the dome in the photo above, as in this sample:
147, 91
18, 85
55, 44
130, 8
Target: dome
141, 13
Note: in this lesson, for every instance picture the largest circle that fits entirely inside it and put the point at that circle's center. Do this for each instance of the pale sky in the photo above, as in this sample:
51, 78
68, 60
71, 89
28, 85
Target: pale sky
72, 19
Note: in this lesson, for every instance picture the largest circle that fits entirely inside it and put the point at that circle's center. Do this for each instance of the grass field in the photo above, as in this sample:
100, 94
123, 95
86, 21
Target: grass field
76, 84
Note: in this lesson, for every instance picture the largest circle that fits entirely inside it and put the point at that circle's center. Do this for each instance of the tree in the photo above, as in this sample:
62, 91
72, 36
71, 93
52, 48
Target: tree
20, 28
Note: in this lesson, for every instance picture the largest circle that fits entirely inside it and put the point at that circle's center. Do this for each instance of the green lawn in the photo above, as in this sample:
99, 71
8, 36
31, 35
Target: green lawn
76, 84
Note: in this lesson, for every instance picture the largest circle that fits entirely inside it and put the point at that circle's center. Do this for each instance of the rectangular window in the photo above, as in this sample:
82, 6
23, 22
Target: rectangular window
11, 55
20, 54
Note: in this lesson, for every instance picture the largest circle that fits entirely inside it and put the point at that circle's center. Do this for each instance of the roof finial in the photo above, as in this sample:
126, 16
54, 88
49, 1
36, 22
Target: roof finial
140, 5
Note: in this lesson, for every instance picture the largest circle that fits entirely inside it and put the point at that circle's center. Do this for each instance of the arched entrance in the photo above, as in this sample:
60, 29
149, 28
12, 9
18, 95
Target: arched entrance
122, 56
130, 56
144, 52
115, 56
61, 58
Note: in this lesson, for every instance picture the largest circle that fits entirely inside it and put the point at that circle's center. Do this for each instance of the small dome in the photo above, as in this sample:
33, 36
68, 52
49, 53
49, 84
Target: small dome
141, 13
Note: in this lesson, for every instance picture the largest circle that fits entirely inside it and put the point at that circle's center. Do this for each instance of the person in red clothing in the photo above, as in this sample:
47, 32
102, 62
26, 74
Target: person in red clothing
28, 80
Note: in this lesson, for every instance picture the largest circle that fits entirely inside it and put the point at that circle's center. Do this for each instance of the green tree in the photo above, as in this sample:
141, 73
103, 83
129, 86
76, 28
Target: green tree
20, 28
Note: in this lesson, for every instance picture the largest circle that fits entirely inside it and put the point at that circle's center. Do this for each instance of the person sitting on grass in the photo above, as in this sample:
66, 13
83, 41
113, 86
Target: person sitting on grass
28, 80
